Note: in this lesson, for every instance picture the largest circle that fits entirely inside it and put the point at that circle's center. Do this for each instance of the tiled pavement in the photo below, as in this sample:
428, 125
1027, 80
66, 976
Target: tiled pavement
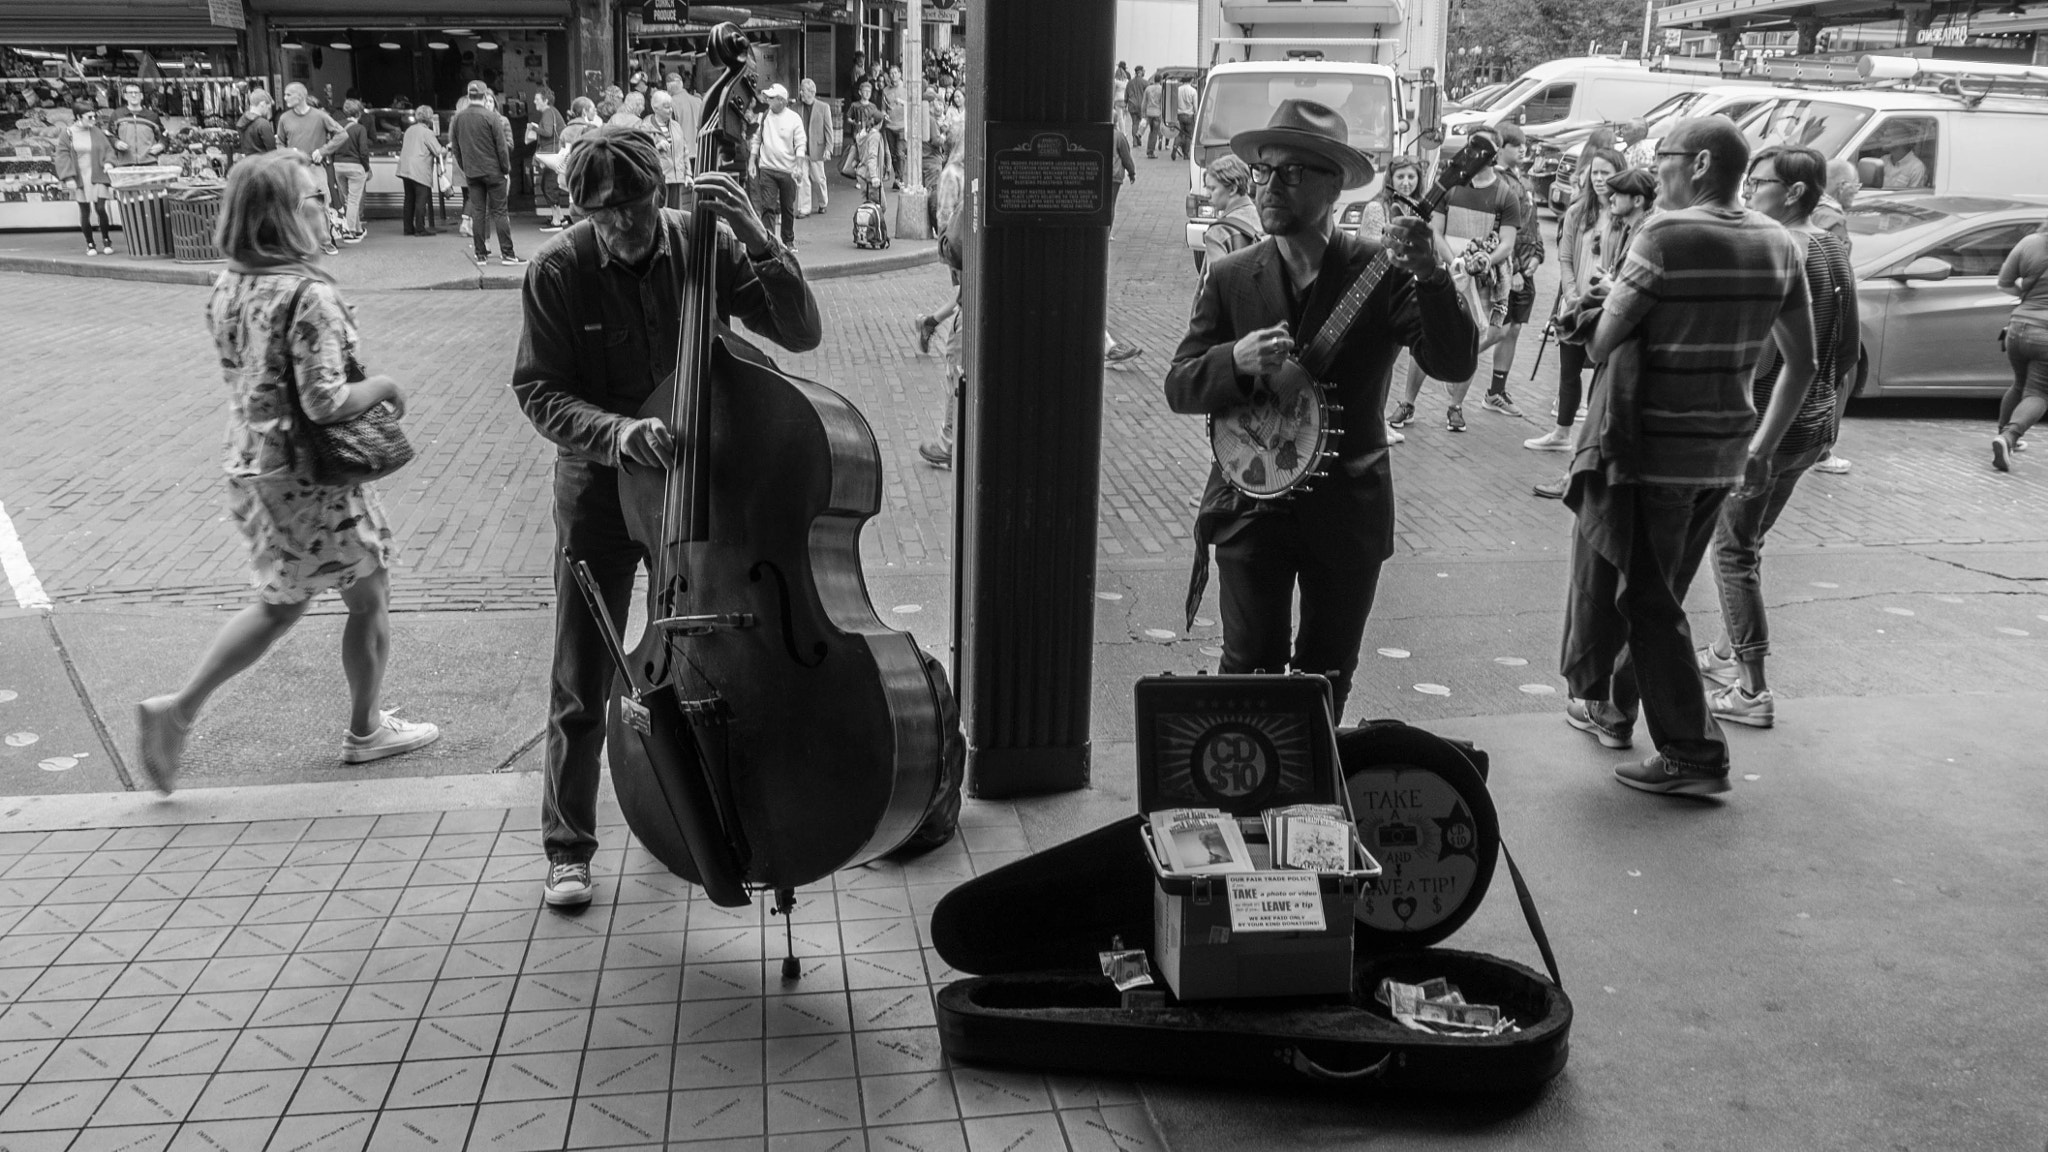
391, 982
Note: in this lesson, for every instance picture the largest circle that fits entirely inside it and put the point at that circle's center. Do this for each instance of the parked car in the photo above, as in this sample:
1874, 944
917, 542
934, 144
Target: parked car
1927, 290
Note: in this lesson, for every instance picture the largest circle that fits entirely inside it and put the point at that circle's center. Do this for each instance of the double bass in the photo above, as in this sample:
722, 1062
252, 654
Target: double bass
768, 729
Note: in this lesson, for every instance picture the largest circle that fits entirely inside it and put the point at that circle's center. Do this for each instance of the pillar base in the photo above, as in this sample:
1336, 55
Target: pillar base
913, 220
1002, 773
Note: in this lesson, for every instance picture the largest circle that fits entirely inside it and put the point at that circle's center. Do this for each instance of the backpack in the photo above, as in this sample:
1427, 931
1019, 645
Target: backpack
870, 230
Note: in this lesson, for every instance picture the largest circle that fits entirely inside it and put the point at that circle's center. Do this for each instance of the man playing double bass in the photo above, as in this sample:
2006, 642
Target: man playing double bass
1251, 310
602, 309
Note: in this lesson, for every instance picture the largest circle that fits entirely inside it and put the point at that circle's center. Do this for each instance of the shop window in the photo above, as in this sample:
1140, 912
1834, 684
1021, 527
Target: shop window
1900, 153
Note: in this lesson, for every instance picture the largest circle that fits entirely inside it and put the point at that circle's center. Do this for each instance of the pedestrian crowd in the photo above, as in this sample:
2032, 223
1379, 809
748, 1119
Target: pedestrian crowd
1708, 293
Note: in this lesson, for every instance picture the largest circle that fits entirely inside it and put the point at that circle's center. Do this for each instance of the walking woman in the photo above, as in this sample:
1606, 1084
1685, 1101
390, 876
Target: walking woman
277, 320
2025, 275
1404, 176
351, 160
418, 155
1581, 264
1631, 198
82, 169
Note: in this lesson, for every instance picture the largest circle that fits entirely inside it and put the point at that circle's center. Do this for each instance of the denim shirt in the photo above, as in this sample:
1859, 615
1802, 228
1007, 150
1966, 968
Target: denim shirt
599, 340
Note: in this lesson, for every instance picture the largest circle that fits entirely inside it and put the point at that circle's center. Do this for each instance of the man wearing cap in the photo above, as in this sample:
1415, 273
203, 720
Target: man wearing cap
783, 144
482, 148
602, 311
1250, 310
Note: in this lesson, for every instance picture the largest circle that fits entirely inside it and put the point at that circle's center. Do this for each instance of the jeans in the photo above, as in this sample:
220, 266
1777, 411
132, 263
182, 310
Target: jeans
1571, 377
354, 179
1183, 136
590, 525
417, 197
2026, 347
1259, 567
1634, 622
778, 200
1152, 134
1739, 552
487, 204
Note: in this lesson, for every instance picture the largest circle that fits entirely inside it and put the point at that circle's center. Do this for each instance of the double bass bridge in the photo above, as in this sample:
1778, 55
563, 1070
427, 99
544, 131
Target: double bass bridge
707, 624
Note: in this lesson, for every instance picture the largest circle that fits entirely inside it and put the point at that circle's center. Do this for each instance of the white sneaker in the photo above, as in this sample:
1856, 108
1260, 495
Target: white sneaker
1738, 707
393, 737
1395, 435
1833, 466
466, 226
1555, 440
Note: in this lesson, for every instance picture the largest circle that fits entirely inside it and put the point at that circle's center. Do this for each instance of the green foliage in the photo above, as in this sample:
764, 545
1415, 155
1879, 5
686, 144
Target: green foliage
1519, 34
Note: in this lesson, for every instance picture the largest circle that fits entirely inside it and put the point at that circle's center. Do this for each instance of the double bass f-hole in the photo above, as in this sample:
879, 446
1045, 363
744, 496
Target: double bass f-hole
789, 642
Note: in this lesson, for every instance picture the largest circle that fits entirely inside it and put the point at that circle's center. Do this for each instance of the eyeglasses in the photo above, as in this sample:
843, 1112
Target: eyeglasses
1749, 183
1678, 152
1289, 174
320, 195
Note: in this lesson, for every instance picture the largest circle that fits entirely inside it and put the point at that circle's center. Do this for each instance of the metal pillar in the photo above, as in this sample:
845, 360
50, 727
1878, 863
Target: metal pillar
594, 36
1028, 452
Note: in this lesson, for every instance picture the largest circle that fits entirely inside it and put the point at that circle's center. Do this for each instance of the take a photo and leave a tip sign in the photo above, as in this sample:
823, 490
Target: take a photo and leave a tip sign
1047, 174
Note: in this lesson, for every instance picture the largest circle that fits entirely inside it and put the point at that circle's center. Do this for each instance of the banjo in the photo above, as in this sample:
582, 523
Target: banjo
1276, 443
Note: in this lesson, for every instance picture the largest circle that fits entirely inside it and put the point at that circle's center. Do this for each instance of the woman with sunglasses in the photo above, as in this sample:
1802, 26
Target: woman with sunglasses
280, 327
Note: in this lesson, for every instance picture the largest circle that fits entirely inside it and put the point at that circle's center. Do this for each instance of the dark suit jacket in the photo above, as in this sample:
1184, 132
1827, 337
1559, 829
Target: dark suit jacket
1351, 511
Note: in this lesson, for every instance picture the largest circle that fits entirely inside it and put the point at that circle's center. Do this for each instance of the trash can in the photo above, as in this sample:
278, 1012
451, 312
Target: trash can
140, 191
193, 209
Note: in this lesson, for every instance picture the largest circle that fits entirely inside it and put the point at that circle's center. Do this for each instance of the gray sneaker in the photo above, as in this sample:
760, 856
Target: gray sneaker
1738, 707
568, 884
1716, 668
1672, 779
1579, 714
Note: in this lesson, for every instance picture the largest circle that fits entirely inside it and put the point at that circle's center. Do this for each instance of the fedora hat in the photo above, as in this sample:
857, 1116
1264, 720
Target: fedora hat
1311, 127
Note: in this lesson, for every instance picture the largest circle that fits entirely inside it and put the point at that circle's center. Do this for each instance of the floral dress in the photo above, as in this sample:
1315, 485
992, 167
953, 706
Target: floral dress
304, 538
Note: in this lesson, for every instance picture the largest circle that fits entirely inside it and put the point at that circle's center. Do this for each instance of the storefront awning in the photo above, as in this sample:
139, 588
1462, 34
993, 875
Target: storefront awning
411, 13
1770, 13
127, 22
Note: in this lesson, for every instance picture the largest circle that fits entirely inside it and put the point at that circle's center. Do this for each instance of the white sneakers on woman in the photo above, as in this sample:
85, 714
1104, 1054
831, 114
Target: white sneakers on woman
393, 737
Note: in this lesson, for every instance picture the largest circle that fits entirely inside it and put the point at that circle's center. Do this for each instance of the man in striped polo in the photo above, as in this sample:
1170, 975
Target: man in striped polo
1705, 285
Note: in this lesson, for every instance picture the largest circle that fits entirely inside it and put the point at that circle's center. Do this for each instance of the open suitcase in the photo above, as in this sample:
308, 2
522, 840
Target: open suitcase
1032, 931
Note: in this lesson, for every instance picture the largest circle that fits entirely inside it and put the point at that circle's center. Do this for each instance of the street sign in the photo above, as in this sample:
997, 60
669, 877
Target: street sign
664, 11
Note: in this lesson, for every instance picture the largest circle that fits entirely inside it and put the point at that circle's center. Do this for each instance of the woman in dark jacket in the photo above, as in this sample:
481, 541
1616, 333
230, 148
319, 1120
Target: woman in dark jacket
83, 154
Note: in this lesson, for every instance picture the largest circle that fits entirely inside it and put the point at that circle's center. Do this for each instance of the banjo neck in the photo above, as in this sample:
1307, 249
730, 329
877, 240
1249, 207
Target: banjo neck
1336, 328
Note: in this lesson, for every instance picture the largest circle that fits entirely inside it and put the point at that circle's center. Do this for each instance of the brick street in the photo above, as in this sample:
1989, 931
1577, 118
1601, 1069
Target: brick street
114, 434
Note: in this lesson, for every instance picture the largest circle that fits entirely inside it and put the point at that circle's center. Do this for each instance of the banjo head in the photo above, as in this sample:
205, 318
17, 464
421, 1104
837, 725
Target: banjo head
1272, 444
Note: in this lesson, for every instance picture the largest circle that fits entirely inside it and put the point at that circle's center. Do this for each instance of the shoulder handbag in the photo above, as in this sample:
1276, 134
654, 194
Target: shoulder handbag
367, 446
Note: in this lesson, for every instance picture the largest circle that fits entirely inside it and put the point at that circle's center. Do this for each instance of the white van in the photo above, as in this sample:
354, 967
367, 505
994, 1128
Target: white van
1243, 95
1923, 124
1552, 168
1579, 94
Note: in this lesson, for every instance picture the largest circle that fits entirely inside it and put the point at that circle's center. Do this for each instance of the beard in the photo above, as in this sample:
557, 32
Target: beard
1279, 220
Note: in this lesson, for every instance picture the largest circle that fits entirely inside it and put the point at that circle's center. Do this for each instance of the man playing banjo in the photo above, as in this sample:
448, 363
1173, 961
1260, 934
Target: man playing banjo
1331, 534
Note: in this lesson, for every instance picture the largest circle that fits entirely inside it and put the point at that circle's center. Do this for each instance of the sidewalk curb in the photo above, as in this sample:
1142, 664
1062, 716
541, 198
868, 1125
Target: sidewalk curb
202, 275
251, 802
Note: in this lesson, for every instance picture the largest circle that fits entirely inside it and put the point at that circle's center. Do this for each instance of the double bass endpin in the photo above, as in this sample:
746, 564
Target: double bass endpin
706, 625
